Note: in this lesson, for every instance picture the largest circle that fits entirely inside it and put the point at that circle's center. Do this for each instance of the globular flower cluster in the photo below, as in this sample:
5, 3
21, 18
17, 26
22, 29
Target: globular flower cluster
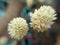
43, 18
18, 28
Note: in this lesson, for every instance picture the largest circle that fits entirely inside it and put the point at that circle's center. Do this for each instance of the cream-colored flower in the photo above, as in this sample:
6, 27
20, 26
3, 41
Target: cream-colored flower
43, 18
18, 28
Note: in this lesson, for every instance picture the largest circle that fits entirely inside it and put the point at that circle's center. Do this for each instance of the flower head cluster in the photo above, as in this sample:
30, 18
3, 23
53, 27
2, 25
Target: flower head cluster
43, 18
18, 28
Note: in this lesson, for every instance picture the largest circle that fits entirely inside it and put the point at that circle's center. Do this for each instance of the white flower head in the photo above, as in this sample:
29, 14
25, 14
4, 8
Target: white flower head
43, 18
18, 28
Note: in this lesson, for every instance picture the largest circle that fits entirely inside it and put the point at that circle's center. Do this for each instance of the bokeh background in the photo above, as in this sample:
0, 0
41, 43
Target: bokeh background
13, 8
